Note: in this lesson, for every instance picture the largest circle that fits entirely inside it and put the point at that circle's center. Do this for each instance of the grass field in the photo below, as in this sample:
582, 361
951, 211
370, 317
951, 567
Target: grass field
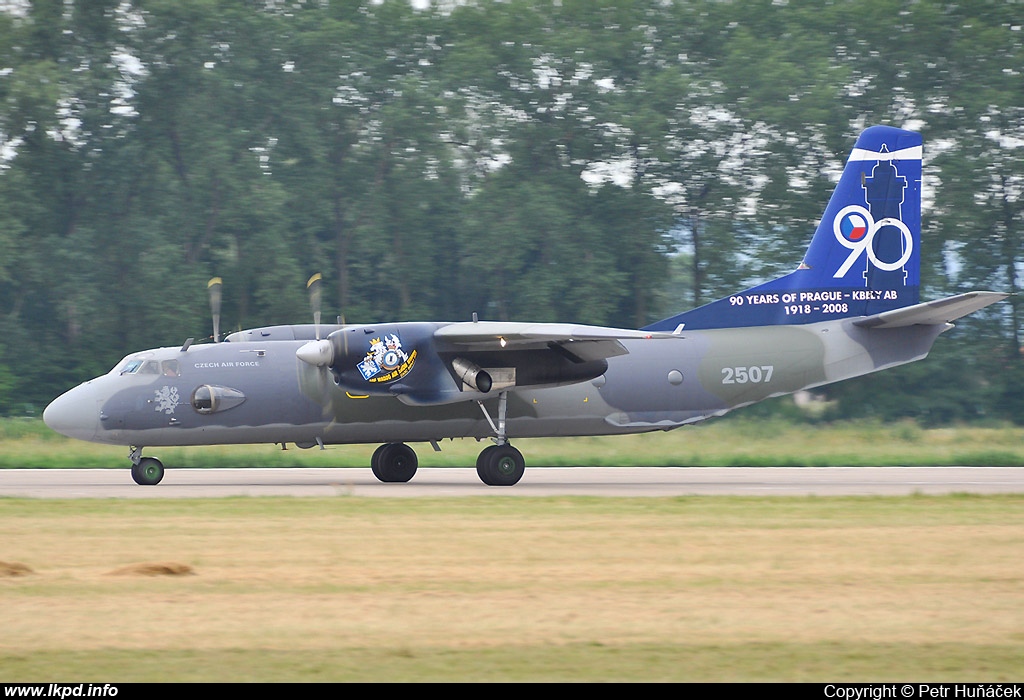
564, 589
522, 589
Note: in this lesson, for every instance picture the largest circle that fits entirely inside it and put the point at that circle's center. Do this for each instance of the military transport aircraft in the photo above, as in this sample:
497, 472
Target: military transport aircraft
850, 308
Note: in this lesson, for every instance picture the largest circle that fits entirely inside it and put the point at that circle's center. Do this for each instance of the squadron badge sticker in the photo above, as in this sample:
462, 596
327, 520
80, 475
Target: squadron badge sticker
386, 361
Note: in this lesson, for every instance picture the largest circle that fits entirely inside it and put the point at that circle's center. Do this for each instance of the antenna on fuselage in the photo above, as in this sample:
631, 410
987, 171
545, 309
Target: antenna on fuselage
214, 287
315, 295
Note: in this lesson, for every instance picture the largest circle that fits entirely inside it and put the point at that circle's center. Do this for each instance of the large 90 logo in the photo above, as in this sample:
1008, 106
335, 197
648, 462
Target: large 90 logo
855, 229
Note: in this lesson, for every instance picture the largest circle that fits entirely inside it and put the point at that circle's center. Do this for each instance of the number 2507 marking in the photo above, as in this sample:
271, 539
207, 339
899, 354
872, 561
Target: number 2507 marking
747, 375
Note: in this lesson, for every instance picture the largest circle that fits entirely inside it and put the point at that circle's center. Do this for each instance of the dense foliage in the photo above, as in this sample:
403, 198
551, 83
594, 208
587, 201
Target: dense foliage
594, 161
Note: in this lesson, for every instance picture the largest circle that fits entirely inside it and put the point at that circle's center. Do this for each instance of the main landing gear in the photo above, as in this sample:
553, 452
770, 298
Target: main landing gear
394, 462
499, 464
146, 471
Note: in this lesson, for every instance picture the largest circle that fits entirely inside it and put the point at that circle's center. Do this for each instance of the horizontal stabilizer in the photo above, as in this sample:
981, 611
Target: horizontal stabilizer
933, 312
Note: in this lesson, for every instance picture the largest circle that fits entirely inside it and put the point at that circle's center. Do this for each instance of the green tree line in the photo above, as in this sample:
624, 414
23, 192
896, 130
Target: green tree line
595, 161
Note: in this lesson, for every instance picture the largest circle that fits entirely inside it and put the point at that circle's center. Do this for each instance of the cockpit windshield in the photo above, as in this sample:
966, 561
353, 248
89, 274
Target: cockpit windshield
130, 367
168, 368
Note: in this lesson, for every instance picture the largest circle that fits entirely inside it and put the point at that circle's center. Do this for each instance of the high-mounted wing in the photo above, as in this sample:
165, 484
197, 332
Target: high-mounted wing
586, 343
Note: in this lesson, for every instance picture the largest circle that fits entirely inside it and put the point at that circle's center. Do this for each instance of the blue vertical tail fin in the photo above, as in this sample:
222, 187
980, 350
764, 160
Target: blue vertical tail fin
864, 257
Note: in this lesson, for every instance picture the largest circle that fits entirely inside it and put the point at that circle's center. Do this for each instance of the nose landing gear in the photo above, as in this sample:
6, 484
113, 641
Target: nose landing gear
146, 471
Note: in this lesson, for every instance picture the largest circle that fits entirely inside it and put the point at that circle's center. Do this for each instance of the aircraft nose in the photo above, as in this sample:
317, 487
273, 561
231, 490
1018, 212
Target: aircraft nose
73, 413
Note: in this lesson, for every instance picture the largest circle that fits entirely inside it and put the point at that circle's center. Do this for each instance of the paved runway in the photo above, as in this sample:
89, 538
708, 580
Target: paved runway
538, 481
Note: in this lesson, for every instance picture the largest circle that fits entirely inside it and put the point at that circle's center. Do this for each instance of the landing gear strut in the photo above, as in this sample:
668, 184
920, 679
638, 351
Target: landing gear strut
146, 471
500, 464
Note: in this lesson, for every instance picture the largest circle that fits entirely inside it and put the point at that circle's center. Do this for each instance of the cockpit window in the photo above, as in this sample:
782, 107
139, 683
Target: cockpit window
168, 368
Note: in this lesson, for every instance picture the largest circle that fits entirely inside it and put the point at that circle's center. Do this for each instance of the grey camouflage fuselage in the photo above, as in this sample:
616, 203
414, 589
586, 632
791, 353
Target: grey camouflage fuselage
662, 383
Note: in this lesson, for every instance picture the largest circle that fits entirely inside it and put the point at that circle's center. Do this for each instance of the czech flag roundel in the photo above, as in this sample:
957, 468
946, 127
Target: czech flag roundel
853, 227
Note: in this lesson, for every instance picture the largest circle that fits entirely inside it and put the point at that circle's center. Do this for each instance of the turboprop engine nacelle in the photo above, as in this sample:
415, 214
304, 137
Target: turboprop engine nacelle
396, 358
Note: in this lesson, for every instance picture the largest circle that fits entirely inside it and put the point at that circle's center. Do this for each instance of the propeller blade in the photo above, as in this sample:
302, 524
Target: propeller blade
315, 296
214, 287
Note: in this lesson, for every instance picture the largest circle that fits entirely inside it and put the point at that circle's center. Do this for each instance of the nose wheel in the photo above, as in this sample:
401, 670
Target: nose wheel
146, 471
